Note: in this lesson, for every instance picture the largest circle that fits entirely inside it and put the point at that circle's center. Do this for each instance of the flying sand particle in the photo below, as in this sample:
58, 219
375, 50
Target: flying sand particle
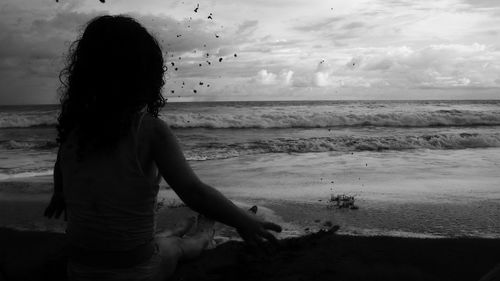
194, 91
216, 36
197, 7
210, 16
235, 55
220, 59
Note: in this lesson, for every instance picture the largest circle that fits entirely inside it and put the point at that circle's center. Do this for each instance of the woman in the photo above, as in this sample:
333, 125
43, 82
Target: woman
113, 150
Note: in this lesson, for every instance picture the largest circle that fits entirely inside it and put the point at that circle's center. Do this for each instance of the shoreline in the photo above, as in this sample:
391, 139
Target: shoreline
24, 199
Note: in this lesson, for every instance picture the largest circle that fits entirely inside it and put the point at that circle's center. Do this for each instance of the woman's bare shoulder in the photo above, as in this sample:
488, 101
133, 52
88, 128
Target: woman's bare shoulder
155, 129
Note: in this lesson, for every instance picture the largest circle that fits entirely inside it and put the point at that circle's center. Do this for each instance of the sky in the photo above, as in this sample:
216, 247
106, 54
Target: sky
273, 49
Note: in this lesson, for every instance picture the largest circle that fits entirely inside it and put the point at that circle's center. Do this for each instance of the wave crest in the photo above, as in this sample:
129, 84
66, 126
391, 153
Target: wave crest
286, 119
344, 144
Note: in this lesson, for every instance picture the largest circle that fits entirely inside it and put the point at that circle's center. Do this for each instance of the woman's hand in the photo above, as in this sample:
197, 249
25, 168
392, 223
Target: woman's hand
56, 207
255, 232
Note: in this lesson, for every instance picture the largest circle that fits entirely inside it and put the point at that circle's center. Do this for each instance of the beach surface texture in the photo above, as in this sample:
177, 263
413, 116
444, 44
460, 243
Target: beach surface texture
29, 255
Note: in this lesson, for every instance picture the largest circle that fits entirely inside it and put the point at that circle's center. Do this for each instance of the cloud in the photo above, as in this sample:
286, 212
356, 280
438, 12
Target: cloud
440, 65
353, 25
264, 77
321, 79
318, 25
247, 27
482, 3
287, 77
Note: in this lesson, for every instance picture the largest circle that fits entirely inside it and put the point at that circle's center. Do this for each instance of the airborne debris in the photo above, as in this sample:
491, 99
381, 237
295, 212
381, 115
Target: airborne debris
178, 35
235, 55
210, 16
216, 36
220, 59
201, 83
194, 91
197, 7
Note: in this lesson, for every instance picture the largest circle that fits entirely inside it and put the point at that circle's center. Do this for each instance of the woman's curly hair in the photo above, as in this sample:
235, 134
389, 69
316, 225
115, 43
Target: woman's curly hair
113, 70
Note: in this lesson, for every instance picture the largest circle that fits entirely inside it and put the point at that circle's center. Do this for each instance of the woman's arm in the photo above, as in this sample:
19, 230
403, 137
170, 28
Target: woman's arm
57, 204
198, 195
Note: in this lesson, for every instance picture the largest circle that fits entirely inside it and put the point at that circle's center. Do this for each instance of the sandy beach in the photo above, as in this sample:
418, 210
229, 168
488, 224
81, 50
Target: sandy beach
29, 255
308, 250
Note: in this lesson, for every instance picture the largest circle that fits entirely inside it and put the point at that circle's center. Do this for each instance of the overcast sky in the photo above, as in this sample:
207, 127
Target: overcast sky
285, 49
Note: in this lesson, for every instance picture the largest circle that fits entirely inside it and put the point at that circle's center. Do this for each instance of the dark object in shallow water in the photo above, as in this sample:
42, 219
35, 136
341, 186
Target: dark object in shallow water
342, 201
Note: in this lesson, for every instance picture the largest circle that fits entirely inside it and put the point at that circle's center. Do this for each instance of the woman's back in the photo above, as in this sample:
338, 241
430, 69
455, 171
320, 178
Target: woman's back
110, 200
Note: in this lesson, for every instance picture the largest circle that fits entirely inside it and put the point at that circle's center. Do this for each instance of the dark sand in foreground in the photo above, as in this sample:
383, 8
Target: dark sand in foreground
30, 255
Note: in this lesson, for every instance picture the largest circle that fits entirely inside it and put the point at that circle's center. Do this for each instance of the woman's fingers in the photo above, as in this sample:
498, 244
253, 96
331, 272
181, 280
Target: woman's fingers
272, 226
269, 237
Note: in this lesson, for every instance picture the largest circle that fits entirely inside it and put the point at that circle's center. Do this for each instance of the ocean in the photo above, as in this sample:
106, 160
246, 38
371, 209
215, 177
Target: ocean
415, 168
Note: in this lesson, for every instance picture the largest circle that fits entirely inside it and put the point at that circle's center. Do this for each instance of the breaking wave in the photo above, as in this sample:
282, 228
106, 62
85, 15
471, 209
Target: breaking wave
36, 145
28, 119
343, 144
290, 118
286, 119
